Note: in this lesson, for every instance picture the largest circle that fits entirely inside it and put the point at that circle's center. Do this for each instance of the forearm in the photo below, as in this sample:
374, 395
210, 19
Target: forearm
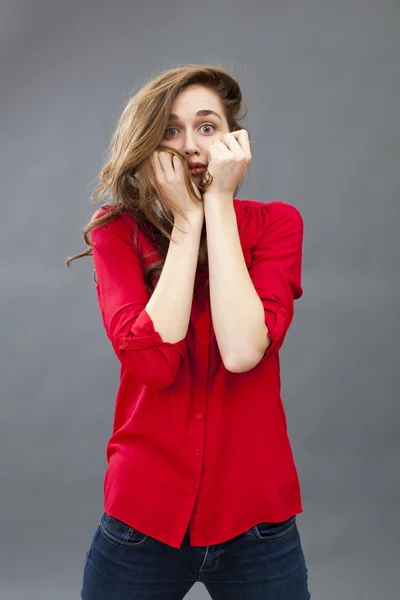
237, 311
171, 302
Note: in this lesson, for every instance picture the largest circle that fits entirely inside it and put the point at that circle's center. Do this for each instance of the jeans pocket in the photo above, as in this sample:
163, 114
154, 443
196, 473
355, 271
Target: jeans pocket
274, 531
119, 533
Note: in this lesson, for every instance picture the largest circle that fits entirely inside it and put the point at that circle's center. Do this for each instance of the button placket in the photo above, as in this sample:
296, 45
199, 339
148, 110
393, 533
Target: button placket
200, 398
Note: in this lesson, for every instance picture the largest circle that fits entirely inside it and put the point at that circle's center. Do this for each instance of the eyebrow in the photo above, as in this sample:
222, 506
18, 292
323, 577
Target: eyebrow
200, 113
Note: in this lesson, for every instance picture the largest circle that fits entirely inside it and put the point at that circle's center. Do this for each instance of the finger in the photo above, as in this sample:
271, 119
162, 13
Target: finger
157, 163
155, 167
219, 147
242, 136
233, 143
214, 152
230, 146
164, 160
177, 164
244, 140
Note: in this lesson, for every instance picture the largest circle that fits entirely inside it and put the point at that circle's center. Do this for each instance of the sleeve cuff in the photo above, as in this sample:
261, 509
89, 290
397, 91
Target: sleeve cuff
276, 322
143, 335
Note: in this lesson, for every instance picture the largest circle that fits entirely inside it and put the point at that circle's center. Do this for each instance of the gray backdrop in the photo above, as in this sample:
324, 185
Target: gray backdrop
322, 83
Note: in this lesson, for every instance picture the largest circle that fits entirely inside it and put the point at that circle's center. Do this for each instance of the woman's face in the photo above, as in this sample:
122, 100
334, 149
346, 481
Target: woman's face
192, 133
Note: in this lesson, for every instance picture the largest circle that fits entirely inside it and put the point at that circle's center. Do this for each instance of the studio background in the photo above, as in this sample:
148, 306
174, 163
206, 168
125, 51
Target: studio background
321, 80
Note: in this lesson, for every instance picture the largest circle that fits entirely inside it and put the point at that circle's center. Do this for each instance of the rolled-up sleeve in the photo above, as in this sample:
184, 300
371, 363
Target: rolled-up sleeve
122, 297
276, 268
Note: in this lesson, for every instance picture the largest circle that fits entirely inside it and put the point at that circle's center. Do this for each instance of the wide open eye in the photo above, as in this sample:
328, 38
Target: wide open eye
168, 135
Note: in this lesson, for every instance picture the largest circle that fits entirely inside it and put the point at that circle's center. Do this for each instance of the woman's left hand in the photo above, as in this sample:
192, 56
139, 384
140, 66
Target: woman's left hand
228, 162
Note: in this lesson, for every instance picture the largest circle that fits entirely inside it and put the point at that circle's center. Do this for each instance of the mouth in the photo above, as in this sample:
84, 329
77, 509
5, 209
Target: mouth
198, 171
197, 168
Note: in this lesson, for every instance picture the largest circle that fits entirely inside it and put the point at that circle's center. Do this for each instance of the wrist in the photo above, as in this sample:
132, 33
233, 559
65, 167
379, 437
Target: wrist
225, 195
190, 219
219, 202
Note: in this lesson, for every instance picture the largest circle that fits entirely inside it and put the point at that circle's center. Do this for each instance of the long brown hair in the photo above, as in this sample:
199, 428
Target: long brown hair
127, 177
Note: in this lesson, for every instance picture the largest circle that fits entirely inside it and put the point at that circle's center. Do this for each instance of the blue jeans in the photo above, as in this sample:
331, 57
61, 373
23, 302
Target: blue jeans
264, 563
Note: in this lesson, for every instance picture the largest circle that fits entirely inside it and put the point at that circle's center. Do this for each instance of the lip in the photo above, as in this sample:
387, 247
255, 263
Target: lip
197, 168
198, 171
197, 165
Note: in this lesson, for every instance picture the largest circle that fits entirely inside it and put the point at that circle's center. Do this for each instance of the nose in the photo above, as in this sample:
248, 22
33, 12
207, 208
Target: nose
190, 146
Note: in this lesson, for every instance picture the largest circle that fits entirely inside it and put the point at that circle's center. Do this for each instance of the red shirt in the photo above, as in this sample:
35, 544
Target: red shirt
193, 443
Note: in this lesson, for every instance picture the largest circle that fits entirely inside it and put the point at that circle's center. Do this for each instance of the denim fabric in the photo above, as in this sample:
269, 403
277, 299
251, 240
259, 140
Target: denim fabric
264, 563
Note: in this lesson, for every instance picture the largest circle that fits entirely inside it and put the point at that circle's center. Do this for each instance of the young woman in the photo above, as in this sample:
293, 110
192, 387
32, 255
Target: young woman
196, 291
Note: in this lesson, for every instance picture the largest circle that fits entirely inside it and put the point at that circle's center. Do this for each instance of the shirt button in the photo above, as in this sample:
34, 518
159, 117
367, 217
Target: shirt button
200, 380
197, 452
199, 416
193, 488
125, 344
202, 345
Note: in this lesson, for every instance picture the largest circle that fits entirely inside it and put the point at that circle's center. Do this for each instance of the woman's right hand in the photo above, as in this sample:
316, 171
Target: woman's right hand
170, 177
